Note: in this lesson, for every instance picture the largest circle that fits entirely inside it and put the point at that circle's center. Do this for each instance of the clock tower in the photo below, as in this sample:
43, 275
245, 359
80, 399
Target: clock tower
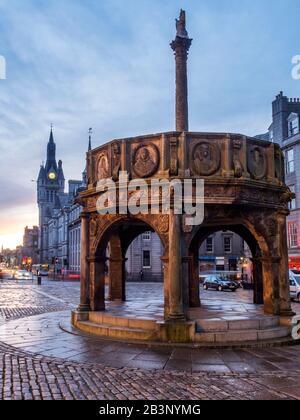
50, 189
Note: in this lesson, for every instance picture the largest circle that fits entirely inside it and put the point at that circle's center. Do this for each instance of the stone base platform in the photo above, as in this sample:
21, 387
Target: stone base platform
205, 332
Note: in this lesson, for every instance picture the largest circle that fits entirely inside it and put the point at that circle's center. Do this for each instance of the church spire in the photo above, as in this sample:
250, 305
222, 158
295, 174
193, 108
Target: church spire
51, 153
84, 174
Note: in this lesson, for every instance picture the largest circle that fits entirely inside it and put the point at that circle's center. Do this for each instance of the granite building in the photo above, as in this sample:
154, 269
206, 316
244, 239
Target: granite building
30, 245
284, 130
57, 212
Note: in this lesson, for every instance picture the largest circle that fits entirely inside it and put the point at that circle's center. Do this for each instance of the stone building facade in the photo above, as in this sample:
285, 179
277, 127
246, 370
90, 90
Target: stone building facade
58, 214
285, 130
222, 252
30, 245
143, 258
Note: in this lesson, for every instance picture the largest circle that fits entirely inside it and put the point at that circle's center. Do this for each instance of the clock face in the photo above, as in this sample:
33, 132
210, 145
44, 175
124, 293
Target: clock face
52, 176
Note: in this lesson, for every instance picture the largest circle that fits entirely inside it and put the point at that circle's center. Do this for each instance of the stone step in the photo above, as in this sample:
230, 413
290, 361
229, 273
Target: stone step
242, 336
118, 332
219, 325
101, 318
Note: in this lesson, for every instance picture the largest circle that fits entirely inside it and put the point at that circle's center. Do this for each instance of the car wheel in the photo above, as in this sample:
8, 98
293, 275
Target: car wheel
220, 288
205, 287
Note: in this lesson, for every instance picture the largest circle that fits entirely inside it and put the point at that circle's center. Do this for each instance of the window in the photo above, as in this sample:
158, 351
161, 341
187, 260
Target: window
227, 244
292, 204
290, 162
146, 259
209, 245
293, 234
293, 123
147, 236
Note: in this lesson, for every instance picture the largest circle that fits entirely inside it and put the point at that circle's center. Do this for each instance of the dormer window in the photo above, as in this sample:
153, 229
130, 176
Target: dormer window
293, 124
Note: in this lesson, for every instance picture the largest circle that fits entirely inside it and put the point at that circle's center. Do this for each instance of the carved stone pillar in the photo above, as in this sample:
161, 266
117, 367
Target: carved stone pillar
165, 261
97, 283
258, 296
117, 279
181, 47
271, 286
116, 271
84, 264
194, 286
175, 269
283, 269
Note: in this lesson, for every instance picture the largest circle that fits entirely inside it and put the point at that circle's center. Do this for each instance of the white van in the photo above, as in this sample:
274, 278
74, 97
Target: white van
295, 286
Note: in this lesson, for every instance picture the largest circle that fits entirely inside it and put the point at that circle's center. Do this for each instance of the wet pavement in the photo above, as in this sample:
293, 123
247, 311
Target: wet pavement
38, 359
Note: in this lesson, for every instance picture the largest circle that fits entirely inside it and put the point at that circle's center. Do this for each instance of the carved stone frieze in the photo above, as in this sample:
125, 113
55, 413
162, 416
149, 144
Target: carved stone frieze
206, 158
103, 166
257, 162
145, 160
173, 156
237, 165
116, 161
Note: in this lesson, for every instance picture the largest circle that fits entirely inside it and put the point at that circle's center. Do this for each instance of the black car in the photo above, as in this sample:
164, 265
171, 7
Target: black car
217, 283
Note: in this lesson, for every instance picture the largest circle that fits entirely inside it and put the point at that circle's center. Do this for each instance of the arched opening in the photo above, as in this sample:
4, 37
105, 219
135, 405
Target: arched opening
129, 253
229, 253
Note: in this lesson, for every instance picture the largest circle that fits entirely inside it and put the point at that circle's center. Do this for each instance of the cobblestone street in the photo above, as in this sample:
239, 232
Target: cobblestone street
41, 357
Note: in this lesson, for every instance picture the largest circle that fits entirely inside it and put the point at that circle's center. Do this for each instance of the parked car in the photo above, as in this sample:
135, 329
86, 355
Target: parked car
22, 275
295, 287
217, 283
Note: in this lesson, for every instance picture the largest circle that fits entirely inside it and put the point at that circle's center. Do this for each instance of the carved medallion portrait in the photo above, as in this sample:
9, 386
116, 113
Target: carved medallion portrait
206, 159
257, 162
145, 160
103, 167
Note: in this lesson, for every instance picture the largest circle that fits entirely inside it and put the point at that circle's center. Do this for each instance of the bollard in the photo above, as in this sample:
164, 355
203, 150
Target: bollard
39, 281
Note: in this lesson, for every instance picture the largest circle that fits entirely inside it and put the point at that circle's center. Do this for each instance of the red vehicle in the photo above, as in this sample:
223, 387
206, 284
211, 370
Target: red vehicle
294, 263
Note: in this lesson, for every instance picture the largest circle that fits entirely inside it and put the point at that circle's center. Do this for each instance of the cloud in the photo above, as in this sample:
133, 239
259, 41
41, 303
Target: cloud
108, 65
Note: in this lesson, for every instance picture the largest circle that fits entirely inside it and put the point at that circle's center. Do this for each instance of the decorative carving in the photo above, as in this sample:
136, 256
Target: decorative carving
181, 26
173, 156
145, 160
287, 196
116, 161
271, 227
91, 203
162, 223
94, 227
257, 162
279, 165
206, 158
103, 166
237, 165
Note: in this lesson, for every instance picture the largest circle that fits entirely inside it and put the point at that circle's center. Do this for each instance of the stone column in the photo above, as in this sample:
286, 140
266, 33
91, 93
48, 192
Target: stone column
116, 271
271, 293
283, 268
181, 47
165, 261
84, 264
175, 269
97, 283
117, 279
258, 297
194, 285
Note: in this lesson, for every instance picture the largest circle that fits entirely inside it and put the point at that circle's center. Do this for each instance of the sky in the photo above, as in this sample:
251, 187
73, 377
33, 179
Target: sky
107, 64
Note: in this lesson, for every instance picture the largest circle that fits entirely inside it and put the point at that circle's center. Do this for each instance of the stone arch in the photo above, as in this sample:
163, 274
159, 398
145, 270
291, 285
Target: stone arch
254, 239
115, 234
